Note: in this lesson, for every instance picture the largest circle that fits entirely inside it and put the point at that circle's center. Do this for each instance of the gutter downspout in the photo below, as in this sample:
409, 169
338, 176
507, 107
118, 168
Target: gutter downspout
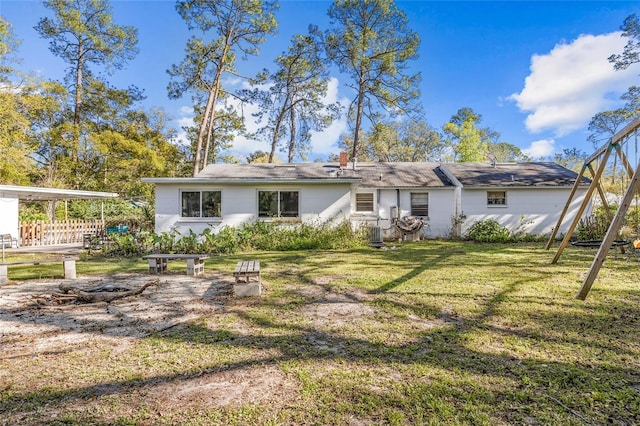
378, 207
457, 201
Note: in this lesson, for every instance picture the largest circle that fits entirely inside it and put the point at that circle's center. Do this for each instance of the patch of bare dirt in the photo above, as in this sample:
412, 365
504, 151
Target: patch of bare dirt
34, 325
28, 323
337, 309
253, 384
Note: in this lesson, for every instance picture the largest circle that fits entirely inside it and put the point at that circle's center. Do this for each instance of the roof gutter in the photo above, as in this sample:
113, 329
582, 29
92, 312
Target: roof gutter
245, 181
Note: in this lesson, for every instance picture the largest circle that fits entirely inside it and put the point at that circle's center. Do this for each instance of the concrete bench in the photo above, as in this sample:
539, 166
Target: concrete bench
68, 265
245, 270
158, 262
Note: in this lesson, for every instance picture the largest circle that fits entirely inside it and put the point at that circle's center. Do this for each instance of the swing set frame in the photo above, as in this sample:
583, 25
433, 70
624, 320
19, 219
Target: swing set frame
616, 221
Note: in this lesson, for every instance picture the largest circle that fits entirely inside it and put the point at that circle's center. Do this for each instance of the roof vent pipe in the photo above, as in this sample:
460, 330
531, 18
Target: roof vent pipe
354, 163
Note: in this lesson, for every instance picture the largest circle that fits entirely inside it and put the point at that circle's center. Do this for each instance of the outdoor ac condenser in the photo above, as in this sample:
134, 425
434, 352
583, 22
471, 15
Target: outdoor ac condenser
375, 239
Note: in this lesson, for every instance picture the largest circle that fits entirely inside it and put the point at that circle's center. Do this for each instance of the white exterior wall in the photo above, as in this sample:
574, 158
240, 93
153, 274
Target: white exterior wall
441, 210
9, 214
532, 211
318, 204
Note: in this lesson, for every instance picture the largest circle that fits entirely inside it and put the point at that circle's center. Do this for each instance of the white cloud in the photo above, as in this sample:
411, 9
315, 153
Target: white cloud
325, 142
573, 82
540, 149
185, 119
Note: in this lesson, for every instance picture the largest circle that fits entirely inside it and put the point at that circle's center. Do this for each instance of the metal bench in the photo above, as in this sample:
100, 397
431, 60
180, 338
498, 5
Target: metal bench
158, 262
245, 269
68, 264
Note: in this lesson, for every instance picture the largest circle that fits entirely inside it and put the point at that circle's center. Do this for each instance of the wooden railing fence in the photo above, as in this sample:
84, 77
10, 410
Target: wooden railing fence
41, 233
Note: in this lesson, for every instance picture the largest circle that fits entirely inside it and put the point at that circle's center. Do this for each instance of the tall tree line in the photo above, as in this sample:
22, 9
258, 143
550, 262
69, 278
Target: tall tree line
81, 132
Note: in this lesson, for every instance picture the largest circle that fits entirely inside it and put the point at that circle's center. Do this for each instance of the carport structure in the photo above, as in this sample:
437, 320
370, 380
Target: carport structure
46, 232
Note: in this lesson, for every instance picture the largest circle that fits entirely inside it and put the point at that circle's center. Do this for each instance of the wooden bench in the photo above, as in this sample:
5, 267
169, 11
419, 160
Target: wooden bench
158, 262
68, 264
247, 269
7, 239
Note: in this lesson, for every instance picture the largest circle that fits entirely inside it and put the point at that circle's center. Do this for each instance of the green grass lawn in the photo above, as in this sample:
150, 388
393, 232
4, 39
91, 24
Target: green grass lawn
430, 333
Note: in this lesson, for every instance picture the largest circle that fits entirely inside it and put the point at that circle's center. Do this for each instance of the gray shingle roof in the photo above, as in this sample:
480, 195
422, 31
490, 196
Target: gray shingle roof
400, 175
390, 175
269, 171
512, 174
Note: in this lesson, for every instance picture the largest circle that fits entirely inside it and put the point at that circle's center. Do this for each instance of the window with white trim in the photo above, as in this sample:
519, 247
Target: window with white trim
420, 204
201, 203
278, 204
364, 202
496, 198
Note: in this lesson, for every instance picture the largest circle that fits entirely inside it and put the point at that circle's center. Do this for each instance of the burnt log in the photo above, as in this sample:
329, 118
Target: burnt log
100, 293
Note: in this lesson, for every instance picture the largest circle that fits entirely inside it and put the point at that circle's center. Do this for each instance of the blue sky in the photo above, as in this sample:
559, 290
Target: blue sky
536, 71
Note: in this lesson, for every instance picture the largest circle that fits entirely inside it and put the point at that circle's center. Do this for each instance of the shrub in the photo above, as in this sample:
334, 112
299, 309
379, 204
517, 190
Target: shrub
224, 242
252, 236
129, 245
489, 231
595, 226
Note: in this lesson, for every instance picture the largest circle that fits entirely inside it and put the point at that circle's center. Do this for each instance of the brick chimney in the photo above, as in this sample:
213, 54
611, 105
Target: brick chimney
343, 159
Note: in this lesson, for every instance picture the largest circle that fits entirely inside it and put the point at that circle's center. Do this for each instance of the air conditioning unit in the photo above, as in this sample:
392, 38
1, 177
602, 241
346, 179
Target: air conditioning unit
375, 238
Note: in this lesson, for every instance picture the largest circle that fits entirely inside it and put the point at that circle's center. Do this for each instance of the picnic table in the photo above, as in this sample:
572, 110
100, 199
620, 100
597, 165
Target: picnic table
158, 262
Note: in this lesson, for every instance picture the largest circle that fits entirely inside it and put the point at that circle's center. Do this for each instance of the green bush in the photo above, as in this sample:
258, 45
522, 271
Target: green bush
275, 236
489, 231
595, 226
129, 245
299, 236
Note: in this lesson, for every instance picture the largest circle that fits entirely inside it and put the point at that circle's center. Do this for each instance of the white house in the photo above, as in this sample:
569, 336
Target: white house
521, 196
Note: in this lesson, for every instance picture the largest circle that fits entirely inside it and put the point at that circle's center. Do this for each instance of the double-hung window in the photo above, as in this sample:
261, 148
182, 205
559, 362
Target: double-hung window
420, 204
496, 198
201, 203
278, 204
364, 202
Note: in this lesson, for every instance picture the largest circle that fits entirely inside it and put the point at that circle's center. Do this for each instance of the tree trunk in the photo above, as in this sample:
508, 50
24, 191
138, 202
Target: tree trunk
201, 134
99, 293
77, 105
274, 139
360, 109
208, 119
292, 132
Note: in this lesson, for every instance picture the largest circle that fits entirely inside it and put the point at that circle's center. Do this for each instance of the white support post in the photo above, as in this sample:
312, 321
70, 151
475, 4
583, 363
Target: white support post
69, 266
4, 274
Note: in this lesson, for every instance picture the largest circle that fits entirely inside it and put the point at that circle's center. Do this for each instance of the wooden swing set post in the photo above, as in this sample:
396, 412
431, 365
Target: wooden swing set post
587, 197
604, 151
603, 196
614, 227
552, 238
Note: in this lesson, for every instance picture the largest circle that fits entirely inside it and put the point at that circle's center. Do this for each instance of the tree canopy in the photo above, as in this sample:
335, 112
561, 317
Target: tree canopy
234, 28
84, 132
371, 42
293, 104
